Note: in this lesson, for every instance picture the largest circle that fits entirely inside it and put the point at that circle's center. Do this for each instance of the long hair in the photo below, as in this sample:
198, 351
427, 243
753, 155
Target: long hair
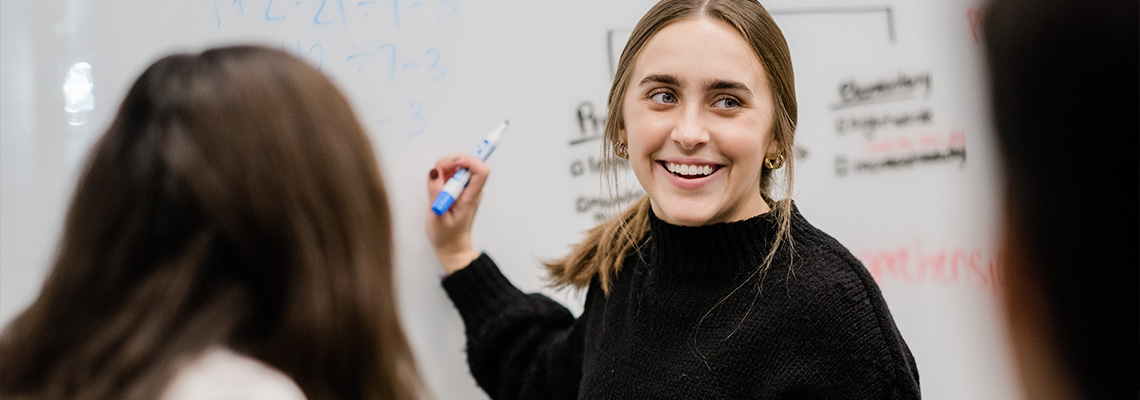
607, 245
234, 201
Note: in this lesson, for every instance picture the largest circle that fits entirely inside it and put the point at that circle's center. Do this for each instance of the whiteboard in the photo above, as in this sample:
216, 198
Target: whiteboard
894, 149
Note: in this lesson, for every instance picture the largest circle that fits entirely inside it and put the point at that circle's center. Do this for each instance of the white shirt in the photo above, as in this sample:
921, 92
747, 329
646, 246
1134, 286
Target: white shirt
221, 374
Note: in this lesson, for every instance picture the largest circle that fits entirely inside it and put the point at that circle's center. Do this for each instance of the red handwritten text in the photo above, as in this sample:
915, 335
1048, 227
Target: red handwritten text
914, 265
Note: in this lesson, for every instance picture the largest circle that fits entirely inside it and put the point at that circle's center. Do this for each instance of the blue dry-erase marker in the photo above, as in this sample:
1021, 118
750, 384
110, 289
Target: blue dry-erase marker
455, 185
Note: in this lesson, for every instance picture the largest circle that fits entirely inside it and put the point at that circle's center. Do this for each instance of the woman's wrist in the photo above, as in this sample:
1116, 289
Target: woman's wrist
455, 260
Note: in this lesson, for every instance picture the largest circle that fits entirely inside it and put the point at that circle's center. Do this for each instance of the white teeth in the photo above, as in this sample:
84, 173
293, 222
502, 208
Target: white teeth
685, 169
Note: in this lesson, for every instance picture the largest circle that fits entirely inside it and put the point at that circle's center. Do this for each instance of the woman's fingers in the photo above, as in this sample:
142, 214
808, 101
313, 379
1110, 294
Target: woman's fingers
479, 173
435, 183
448, 166
440, 173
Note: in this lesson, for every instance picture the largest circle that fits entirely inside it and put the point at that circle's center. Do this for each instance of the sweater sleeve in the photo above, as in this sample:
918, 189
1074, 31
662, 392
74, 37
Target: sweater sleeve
519, 346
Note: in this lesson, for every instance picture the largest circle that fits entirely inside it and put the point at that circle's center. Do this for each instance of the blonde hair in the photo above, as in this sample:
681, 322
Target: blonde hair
607, 245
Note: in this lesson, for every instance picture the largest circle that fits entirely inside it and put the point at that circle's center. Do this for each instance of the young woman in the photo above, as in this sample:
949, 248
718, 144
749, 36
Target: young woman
707, 288
229, 238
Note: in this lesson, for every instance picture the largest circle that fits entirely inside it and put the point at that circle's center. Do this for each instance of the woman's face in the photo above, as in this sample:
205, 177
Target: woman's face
698, 122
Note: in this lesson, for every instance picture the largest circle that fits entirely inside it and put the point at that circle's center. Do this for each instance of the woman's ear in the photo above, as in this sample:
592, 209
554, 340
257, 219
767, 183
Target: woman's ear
773, 149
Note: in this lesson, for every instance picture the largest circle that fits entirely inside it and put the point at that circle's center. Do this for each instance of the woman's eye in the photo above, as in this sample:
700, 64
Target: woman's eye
727, 103
664, 98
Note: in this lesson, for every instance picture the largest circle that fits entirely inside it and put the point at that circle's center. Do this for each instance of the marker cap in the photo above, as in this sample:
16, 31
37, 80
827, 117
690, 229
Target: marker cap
442, 203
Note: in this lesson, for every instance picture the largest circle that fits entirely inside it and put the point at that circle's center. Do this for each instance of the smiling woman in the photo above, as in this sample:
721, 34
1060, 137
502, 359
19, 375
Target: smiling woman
707, 287
696, 129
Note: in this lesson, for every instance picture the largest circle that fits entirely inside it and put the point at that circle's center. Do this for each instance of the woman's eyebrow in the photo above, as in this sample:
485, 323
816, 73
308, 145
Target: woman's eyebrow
661, 78
712, 84
718, 84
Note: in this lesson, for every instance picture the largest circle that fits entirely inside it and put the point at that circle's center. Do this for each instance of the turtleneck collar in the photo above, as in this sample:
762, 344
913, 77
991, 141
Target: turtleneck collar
712, 250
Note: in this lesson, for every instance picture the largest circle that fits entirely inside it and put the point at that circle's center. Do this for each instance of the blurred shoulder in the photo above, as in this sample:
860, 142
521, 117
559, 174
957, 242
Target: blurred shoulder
220, 373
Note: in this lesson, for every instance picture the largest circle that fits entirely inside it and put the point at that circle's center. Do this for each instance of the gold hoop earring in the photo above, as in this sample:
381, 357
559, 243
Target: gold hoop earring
775, 162
622, 150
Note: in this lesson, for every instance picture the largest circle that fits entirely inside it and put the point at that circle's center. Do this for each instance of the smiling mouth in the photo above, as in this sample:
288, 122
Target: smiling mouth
689, 171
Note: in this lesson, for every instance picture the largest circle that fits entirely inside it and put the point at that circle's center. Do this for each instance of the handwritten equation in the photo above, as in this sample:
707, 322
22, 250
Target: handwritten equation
357, 43
334, 12
388, 60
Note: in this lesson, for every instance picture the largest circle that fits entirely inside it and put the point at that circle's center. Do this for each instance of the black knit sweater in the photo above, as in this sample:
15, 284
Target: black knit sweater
687, 318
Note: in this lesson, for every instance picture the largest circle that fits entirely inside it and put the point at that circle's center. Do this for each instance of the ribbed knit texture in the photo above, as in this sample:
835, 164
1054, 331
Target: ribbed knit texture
688, 318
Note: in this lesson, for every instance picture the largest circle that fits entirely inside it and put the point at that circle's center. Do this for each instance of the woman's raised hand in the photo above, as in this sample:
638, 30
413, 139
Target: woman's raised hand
450, 233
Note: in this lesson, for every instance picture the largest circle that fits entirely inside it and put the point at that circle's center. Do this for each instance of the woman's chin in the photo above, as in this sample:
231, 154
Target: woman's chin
683, 216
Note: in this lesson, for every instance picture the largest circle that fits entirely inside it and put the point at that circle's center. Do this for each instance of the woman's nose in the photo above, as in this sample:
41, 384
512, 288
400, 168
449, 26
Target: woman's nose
690, 132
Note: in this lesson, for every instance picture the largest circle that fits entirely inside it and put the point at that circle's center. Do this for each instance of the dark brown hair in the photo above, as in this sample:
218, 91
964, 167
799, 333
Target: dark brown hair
1065, 107
606, 246
234, 201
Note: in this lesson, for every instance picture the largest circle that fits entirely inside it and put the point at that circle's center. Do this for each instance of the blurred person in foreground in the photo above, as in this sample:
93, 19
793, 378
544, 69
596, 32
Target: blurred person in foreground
230, 237
1065, 90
